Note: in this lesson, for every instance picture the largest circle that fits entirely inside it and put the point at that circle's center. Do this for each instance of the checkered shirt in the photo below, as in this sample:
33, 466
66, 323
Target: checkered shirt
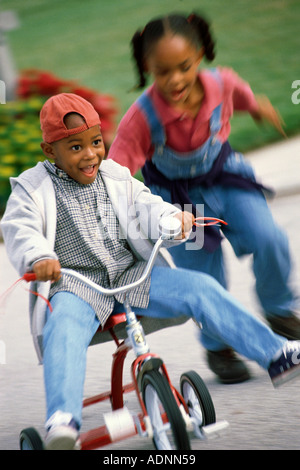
87, 241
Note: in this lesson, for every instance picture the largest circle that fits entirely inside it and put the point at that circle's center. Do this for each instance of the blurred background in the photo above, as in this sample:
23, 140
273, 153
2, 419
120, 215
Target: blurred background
49, 46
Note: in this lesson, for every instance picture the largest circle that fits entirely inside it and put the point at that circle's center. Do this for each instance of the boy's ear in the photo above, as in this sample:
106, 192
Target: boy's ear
48, 150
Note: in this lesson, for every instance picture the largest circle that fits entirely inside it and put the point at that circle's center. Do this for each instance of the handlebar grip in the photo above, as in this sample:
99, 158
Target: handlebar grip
29, 277
170, 227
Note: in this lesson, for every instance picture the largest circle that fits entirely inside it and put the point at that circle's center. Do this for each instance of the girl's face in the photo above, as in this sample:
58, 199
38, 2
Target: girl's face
173, 62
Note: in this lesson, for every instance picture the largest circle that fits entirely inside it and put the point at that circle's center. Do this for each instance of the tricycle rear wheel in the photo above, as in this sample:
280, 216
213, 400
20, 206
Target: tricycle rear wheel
197, 398
30, 440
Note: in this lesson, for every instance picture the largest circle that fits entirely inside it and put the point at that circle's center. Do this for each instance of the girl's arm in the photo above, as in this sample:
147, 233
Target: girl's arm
243, 99
266, 112
132, 143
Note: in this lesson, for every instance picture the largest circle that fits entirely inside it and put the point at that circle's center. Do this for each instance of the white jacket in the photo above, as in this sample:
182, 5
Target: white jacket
29, 225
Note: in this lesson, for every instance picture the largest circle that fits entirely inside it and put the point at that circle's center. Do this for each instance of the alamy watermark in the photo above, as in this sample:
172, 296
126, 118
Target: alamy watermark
296, 94
2, 92
140, 221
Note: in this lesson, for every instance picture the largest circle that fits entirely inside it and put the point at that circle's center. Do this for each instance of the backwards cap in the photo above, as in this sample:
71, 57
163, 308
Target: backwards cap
57, 107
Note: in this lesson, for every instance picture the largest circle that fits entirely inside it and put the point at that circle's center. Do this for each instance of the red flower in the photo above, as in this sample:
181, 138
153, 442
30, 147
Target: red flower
34, 82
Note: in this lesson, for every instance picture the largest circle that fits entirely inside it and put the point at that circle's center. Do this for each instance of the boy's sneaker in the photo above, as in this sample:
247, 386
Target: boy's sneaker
287, 366
62, 432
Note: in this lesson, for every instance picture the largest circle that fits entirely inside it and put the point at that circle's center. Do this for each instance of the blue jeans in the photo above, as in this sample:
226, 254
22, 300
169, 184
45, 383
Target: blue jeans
251, 230
72, 324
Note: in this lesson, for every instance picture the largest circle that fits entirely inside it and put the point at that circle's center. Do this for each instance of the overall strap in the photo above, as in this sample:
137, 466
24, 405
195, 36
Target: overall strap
215, 119
157, 131
216, 74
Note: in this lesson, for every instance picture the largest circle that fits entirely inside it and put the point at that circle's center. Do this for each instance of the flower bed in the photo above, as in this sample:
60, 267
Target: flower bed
20, 133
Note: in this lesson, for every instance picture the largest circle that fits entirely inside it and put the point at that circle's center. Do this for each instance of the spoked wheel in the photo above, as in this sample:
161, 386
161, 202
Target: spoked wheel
169, 429
30, 440
197, 399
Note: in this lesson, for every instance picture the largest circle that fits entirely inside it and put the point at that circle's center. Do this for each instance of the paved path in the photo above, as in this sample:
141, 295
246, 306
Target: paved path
259, 416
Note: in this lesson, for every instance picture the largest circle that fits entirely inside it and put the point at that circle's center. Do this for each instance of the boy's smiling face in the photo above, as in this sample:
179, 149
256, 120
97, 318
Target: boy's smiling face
79, 155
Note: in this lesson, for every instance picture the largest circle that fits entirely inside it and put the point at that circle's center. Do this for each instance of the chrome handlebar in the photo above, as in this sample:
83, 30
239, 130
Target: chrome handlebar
169, 228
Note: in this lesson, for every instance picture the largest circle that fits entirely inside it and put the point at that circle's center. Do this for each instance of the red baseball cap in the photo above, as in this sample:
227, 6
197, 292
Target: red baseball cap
57, 107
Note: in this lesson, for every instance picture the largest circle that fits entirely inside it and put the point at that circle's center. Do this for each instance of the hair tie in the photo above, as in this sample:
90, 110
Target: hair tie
191, 17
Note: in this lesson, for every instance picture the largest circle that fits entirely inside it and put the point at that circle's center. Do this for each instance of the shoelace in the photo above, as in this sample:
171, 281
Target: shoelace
290, 346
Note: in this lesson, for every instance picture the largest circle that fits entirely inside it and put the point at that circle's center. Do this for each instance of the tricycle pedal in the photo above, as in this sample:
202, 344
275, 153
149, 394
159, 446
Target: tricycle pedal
214, 430
120, 424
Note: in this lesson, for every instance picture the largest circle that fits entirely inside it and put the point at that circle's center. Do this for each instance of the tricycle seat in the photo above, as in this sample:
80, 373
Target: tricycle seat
117, 322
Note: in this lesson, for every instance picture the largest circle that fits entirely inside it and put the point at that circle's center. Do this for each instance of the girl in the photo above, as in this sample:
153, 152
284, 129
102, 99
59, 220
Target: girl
177, 132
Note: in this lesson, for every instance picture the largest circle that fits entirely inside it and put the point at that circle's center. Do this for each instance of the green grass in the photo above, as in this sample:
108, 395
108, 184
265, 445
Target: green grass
89, 41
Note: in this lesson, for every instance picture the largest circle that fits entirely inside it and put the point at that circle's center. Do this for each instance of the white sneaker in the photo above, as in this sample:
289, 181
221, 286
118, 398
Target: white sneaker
62, 432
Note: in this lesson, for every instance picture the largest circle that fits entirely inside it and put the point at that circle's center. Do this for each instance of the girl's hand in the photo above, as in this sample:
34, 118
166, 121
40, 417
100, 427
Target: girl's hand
266, 112
47, 270
187, 221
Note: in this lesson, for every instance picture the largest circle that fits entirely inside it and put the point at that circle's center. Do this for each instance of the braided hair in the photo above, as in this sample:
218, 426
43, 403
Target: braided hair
194, 28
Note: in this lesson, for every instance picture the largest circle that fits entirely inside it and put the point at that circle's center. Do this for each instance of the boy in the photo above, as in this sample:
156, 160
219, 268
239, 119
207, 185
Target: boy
90, 215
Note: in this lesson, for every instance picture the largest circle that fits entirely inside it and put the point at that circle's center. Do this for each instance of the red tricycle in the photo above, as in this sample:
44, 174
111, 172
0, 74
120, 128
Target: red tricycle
166, 415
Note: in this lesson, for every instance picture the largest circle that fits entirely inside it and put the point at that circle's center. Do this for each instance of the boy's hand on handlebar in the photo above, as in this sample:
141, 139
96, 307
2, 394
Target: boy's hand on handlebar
187, 221
47, 270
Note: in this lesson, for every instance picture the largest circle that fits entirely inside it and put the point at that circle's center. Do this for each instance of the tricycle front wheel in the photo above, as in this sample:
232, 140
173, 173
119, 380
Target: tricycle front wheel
169, 428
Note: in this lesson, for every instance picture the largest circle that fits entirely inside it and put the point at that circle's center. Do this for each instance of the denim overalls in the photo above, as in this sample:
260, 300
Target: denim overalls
251, 228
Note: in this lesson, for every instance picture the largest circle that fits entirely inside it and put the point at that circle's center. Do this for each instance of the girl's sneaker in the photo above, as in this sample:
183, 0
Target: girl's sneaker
287, 366
62, 432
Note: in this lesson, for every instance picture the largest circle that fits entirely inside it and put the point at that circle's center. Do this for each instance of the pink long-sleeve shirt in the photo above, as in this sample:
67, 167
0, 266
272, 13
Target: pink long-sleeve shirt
132, 144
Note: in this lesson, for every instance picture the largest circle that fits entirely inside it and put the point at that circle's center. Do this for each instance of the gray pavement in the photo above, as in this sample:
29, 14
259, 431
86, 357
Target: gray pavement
259, 416
278, 166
